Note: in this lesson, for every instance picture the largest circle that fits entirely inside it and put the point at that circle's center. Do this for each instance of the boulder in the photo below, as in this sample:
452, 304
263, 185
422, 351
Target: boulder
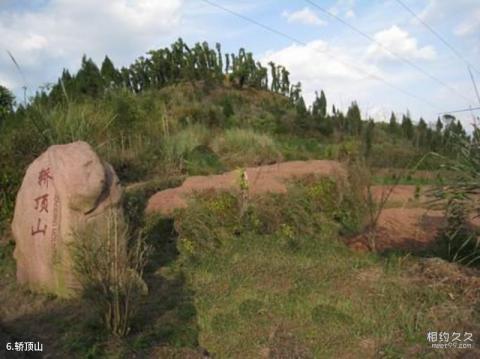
64, 189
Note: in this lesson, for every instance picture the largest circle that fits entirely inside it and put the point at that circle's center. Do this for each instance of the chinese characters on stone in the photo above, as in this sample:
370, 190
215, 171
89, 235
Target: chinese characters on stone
41, 202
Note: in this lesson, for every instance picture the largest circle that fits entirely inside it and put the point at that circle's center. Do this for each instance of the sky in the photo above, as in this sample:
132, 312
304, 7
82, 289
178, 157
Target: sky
405, 68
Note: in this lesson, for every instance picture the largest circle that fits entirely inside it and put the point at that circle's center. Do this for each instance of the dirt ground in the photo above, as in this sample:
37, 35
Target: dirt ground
261, 179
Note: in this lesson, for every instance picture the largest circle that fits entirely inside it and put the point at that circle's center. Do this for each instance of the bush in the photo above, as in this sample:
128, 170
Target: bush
319, 207
109, 269
460, 242
178, 147
242, 147
227, 107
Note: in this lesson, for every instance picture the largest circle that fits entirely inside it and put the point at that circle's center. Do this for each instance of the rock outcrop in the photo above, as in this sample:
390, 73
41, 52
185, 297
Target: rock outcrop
64, 189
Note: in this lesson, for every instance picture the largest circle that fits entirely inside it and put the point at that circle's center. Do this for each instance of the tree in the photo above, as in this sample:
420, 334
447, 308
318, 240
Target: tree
301, 107
285, 85
319, 113
439, 126
368, 137
407, 126
109, 73
393, 125
89, 80
6, 103
319, 107
421, 134
227, 63
354, 119
219, 59
273, 72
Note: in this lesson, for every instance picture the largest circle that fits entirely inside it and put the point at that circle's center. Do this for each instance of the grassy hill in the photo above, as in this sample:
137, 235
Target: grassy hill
230, 277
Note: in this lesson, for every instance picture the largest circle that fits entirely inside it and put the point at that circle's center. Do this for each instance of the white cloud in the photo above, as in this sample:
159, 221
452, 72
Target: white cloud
343, 8
399, 42
463, 15
344, 80
470, 25
350, 14
304, 16
46, 38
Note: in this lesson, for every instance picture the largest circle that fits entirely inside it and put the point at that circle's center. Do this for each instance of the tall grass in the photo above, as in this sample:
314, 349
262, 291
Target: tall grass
109, 268
184, 141
71, 122
240, 147
460, 241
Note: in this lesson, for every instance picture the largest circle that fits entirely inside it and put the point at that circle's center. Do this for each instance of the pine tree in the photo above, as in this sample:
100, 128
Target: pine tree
301, 107
407, 126
439, 126
109, 74
6, 103
421, 134
89, 80
354, 119
393, 125
368, 138
323, 105
319, 114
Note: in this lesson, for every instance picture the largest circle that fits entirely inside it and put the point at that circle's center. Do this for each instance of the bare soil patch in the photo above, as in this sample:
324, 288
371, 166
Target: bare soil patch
403, 225
262, 179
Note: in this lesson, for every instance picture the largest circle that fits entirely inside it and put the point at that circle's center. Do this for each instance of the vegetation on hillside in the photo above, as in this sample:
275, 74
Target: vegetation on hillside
137, 117
230, 275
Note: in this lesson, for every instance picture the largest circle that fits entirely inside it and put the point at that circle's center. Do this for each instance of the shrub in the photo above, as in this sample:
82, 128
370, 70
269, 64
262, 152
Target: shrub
313, 207
109, 269
241, 147
176, 148
460, 242
227, 107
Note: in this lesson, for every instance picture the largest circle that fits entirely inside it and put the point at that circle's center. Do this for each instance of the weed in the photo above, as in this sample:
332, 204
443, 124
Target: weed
241, 147
110, 272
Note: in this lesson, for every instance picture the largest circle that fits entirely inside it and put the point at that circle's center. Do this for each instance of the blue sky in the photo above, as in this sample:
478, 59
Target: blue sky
46, 36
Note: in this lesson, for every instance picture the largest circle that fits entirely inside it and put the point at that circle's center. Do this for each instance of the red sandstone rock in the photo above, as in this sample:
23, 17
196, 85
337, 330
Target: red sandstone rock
65, 188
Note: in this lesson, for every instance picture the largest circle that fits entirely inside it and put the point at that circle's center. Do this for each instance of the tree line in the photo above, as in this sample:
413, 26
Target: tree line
169, 65
440, 137
202, 63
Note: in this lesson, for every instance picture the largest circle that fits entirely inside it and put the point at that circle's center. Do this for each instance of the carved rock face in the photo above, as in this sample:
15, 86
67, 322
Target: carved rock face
65, 188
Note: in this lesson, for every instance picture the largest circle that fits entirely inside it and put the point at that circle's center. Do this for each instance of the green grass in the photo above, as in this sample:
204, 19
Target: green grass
7, 263
289, 287
276, 281
242, 147
326, 298
297, 148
